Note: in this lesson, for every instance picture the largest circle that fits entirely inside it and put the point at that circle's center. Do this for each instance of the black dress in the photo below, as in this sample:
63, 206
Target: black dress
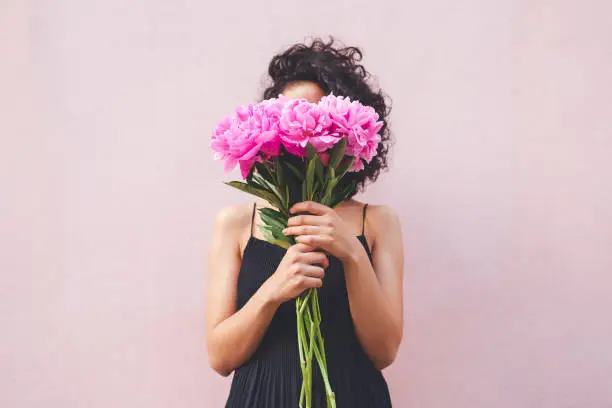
272, 378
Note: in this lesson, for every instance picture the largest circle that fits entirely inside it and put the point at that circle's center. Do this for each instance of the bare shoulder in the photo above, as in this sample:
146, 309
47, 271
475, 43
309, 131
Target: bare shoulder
232, 222
383, 223
234, 216
382, 217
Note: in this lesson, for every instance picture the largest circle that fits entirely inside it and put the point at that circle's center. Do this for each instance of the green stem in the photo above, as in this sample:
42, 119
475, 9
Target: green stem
319, 336
319, 354
317, 308
299, 324
305, 300
302, 348
310, 351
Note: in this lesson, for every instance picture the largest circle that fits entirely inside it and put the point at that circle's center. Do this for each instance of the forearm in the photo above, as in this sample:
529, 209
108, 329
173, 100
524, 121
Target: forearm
378, 330
236, 338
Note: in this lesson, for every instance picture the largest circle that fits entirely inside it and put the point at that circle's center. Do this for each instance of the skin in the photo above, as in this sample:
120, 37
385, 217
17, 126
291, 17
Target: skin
374, 290
304, 89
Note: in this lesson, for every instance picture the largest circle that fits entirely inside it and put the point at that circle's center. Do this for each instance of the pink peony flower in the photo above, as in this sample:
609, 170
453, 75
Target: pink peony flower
256, 132
303, 122
247, 135
358, 123
322, 143
267, 116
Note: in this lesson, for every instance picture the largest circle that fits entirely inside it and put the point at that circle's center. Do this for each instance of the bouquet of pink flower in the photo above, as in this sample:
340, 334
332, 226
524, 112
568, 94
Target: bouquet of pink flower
291, 150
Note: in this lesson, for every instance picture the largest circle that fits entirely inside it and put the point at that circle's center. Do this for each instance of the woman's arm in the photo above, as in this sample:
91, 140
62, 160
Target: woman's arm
374, 291
231, 336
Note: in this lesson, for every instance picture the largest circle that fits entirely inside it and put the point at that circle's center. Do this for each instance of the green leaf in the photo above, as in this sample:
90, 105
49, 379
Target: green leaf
280, 243
272, 221
269, 168
268, 236
316, 189
271, 232
299, 174
271, 212
344, 167
310, 178
276, 215
278, 235
280, 175
318, 166
337, 153
260, 182
310, 151
331, 183
304, 195
264, 171
287, 196
259, 192
281, 181
271, 187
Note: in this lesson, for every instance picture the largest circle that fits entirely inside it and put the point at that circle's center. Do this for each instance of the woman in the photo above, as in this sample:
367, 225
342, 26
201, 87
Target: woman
352, 255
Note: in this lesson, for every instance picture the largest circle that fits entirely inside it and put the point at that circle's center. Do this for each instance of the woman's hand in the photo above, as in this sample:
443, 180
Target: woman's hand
322, 228
301, 268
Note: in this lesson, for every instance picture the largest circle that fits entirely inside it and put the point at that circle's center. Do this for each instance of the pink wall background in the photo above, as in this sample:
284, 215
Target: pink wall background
501, 175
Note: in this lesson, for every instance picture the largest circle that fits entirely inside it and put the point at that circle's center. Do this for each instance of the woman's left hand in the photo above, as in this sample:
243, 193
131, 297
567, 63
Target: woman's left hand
322, 229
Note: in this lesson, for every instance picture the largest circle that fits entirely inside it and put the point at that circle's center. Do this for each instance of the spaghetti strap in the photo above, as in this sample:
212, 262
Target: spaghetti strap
253, 217
363, 220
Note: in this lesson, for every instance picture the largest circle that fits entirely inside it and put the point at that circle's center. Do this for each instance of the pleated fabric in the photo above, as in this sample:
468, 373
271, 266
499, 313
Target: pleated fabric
272, 378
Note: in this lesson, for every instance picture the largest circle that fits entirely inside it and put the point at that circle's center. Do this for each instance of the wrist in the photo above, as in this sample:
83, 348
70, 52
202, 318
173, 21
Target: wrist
266, 297
355, 253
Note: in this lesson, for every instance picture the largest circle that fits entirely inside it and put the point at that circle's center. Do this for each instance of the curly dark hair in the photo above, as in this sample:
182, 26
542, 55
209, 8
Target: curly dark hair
335, 69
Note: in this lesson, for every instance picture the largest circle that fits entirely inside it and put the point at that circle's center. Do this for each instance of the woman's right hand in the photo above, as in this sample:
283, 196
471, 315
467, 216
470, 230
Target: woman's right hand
301, 268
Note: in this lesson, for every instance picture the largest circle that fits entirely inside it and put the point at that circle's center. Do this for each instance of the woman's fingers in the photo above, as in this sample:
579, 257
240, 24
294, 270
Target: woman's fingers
315, 241
312, 271
307, 219
300, 247
310, 282
311, 207
314, 258
306, 230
